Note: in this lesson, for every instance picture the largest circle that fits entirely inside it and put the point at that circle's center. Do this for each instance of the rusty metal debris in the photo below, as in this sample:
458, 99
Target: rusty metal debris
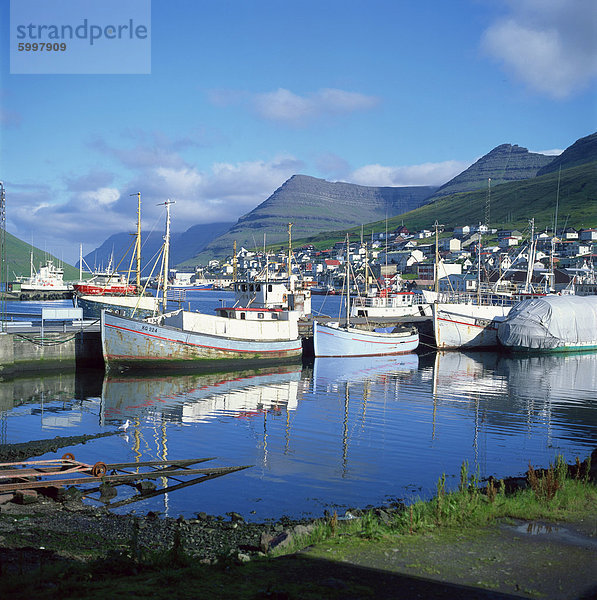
66, 471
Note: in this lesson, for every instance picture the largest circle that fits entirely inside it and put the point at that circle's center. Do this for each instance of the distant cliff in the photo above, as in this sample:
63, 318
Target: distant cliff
503, 164
582, 151
182, 246
314, 205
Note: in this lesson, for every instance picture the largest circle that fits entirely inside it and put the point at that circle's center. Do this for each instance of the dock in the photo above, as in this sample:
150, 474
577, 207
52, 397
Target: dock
52, 476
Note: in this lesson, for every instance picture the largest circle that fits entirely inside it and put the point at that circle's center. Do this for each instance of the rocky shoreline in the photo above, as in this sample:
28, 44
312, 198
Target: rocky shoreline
46, 530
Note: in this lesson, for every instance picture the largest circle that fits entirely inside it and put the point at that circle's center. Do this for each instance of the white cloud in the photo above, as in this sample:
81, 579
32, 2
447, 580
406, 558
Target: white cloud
549, 45
88, 208
103, 196
552, 152
423, 174
284, 106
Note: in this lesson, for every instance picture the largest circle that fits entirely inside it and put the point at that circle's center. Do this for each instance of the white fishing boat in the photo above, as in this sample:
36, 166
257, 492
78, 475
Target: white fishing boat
551, 324
335, 339
188, 340
460, 325
47, 282
182, 339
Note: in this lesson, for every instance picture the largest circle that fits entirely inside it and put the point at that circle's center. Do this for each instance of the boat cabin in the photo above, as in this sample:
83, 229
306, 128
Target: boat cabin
271, 294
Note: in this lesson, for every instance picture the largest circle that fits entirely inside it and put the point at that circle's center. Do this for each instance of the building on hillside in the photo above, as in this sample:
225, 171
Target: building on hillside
588, 235
450, 244
426, 270
462, 230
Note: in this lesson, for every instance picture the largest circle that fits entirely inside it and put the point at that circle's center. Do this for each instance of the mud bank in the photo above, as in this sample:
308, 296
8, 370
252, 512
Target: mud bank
25, 450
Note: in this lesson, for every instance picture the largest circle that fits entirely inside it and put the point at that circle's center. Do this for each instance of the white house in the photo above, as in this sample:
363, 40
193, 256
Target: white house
462, 231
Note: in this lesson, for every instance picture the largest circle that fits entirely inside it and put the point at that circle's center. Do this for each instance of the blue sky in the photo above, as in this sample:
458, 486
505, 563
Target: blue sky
244, 94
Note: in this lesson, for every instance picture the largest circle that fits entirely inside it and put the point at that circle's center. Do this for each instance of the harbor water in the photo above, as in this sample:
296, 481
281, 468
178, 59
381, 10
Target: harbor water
327, 434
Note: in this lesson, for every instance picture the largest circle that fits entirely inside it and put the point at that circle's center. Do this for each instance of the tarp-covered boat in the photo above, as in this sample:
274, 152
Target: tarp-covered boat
551, 324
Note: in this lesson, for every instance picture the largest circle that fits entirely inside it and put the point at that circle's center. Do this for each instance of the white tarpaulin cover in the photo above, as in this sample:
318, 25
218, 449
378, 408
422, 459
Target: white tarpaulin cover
551, 323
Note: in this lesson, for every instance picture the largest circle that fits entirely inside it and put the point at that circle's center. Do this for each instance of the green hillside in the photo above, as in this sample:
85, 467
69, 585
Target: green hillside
18, 259
511, 207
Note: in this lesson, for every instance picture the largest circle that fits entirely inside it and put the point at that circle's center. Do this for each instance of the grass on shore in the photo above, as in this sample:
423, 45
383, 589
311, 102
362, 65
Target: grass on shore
559, 493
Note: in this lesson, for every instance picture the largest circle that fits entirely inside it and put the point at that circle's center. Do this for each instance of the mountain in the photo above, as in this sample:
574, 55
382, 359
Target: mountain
511, 204
18, 259
313, 205
182, 246
582, 151
504, 163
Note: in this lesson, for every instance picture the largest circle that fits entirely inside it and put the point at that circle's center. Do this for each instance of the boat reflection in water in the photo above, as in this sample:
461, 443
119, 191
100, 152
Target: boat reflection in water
355, 378
546, 401
200, 397
351, 369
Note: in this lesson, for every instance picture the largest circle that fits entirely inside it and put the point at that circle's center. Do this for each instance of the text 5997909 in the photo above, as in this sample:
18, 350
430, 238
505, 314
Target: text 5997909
41, 47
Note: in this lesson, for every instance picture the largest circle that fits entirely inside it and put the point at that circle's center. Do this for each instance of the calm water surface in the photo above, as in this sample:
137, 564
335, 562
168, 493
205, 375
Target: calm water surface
334, 433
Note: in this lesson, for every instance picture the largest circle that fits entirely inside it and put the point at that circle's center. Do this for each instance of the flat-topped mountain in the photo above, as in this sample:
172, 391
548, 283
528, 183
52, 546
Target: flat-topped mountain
503, 164
314, 205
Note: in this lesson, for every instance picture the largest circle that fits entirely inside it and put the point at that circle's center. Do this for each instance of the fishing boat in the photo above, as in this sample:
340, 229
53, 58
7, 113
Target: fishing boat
105, 283
109, 290
47, 283
462, 325
183, 339
551, 324
336, 339
470, 320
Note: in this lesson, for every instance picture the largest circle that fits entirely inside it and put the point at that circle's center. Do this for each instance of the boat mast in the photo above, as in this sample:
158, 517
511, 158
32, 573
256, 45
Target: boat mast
530, 258
138, 241
347, 283
290, 256
479, 243
166, 253
80, 262
436, 225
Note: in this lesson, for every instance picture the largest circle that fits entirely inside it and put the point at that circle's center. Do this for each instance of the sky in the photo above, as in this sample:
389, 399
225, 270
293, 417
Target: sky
240, 95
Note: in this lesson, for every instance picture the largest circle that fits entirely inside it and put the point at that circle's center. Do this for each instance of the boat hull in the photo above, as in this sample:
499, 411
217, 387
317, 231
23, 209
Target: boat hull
133, 343
466, 325
336, 341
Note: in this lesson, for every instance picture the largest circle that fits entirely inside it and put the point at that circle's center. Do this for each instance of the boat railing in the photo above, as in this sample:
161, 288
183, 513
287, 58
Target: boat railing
487, 298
